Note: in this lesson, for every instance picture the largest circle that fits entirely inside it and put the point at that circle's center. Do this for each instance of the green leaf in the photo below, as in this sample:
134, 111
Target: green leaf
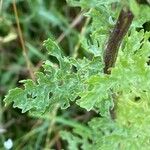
53, 48
90, 3
134, 7
57, 84
142, 16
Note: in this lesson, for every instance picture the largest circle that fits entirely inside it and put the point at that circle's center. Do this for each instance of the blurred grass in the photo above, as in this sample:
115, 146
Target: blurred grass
38, 20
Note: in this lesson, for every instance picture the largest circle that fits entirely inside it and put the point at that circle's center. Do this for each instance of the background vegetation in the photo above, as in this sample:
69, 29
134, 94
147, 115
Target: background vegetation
38, 20
24, 25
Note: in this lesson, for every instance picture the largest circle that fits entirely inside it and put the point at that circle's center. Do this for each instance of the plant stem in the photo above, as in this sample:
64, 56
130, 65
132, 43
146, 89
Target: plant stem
123, 23
29, 67
110, 55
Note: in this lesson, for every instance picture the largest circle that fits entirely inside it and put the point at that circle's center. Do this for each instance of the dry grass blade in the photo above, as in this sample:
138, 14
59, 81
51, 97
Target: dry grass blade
76, 21
22, 42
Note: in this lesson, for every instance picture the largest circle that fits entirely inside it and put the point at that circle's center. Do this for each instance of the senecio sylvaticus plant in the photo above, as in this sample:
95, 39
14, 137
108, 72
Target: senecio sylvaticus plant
114, 83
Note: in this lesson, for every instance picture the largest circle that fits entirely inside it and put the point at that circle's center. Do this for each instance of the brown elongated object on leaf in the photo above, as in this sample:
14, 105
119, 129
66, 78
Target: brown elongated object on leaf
110, 54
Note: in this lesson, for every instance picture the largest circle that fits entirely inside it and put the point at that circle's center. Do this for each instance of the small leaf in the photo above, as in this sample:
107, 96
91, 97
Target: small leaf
52, 48
134, 7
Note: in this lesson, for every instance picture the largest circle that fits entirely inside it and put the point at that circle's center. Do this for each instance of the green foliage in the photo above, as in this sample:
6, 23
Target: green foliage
140, 12
38, 20
90, 4
129, 83
126, 89
58, 84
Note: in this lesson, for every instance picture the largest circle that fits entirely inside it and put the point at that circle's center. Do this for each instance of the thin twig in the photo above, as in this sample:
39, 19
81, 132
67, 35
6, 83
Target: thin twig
22, 41
53, 114
75, 22
83, 30
54, 140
